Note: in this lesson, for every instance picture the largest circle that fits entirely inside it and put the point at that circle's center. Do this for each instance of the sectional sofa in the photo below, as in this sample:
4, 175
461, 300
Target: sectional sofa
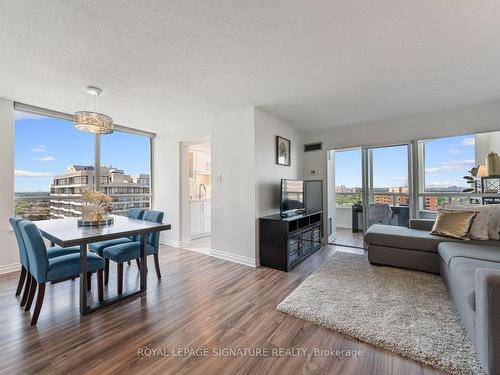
470, 269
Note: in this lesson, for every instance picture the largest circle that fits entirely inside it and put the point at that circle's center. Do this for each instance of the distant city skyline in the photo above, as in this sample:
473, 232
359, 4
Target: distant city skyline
46, 146
447, 160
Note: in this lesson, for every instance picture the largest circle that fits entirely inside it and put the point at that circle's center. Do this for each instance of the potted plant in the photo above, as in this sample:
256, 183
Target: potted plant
472, 180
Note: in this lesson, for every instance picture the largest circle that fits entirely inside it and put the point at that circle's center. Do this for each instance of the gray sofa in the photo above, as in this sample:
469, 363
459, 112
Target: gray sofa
470, 269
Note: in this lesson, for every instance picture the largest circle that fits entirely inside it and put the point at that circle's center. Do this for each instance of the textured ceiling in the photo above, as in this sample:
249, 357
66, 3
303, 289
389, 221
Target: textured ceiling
315, 64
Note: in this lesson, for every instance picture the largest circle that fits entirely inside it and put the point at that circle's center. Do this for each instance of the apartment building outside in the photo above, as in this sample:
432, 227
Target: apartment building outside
394, 195
127, 191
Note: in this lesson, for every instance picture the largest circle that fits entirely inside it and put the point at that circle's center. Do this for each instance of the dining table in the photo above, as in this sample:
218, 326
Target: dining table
66, 232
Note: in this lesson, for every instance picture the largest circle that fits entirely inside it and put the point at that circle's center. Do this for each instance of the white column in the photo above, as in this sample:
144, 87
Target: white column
9, 256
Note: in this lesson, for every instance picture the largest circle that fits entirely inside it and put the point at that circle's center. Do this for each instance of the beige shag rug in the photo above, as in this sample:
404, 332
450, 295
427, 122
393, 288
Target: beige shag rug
406, 312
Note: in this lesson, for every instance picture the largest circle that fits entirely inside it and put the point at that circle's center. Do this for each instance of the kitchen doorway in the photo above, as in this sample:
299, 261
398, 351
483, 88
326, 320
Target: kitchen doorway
196, 195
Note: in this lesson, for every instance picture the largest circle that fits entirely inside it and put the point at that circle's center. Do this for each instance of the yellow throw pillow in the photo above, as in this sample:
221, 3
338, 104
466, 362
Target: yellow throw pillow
454, 224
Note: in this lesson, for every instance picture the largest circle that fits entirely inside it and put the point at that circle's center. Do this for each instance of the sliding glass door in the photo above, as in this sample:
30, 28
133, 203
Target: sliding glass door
387, 185
372, 186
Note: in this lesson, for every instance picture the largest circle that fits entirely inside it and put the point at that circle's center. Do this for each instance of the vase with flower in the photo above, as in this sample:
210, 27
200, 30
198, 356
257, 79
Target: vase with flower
97, 206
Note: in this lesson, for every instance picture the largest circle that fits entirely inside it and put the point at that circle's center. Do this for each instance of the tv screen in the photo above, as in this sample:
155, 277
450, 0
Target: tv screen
292, 195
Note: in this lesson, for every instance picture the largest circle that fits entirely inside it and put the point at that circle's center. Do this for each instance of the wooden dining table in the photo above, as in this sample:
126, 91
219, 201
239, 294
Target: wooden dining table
66, 232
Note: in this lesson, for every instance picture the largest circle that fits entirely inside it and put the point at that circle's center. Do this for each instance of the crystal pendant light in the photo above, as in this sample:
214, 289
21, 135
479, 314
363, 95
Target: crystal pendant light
92, 121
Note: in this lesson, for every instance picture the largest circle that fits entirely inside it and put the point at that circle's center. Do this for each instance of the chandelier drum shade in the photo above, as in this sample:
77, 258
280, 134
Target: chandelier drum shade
93, 121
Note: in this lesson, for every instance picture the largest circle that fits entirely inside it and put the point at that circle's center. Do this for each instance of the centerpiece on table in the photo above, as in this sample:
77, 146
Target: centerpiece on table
96, 209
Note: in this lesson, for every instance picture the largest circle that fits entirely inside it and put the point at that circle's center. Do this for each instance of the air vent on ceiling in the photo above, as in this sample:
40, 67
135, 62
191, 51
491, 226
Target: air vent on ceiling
313, 147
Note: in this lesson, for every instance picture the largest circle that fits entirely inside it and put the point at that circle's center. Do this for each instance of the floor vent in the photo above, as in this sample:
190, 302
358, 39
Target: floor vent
313, 147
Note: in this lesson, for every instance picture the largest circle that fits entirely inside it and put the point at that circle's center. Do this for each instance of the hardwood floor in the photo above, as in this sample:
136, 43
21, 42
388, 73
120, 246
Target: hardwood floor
200, 302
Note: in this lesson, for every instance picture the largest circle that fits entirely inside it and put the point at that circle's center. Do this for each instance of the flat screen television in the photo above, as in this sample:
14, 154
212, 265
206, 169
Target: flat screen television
292, 196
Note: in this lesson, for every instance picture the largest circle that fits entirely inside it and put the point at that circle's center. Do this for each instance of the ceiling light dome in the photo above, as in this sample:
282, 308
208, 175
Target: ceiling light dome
93, 121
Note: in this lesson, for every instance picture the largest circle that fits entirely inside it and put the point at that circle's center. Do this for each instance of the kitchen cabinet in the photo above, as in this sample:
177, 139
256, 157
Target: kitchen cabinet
202, 162
199, 218
206, 217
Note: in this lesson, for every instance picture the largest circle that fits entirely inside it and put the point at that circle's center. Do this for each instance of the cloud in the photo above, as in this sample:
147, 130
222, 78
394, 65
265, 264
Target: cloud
39, 148
470, 141
20, 115
45, 158
452, 166
453, 151
22, 173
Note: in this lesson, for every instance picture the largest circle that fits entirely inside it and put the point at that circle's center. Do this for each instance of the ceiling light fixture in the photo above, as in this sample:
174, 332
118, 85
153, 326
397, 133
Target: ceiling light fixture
93, 121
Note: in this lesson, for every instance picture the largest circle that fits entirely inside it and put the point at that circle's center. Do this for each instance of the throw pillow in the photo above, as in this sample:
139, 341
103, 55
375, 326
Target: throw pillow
453, 224
479, 227
494, 222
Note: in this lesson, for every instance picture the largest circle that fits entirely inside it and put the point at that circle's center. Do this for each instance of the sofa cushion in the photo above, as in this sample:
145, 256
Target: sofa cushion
402, 237
463, 271
454, 224
450, 250
413, 239
479, 227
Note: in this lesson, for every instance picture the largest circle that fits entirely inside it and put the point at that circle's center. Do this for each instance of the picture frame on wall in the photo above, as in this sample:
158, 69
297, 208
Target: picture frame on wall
283, 151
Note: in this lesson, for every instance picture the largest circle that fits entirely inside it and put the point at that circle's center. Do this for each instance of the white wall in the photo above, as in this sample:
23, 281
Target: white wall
9, 255
232, 140
486, 143
473, 119
268, 174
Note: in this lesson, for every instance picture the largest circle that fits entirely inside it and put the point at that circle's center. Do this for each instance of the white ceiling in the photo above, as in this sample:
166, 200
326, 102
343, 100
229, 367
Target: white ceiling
315, 64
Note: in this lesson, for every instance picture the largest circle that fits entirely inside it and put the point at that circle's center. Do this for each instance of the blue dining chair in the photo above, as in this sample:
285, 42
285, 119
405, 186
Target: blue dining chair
25, 276
131, 250
98, 247
44, 269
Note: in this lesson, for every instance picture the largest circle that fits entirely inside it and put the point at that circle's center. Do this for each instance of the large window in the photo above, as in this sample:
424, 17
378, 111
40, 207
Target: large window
444, 166
348, 176
446, 161
45, 149
125, 159
55, 163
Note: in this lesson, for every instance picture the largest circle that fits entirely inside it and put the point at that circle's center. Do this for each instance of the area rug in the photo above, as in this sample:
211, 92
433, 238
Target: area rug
406, 312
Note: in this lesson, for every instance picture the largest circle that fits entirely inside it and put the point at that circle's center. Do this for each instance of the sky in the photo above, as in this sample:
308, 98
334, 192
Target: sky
46, 146
447, 160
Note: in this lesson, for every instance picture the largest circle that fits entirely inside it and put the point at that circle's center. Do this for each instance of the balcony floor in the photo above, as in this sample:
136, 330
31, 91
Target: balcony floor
345, 236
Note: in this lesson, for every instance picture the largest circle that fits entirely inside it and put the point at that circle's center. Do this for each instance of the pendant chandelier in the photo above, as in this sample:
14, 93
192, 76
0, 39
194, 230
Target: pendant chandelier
93, 121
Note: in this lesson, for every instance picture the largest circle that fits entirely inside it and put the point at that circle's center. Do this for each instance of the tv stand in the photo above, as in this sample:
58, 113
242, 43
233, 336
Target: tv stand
286, 241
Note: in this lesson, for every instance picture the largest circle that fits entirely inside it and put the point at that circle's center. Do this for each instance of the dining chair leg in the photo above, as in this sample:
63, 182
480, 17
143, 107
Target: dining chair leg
106, 271
138, 263
119, 275
38, 304
100, 285
31, 295
22, 278
26, 290
89, 281
128, 262
157, 266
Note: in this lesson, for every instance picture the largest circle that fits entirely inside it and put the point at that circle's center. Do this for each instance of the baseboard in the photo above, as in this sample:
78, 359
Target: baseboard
214, 253
8, 268
169, 242
233, 258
